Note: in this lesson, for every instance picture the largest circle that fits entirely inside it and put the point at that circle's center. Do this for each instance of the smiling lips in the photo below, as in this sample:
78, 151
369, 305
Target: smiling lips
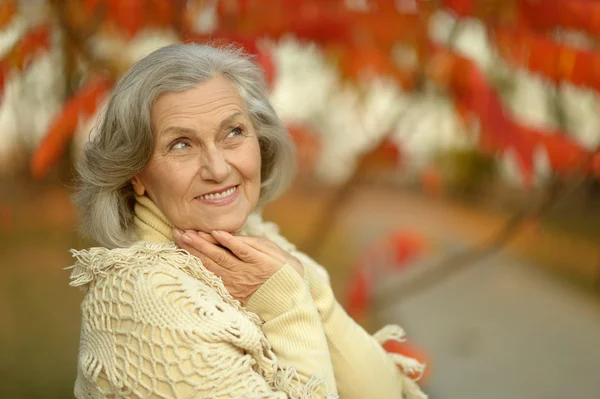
220, 198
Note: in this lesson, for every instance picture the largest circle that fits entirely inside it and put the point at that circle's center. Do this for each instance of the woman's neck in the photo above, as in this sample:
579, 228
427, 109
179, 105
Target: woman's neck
152, 225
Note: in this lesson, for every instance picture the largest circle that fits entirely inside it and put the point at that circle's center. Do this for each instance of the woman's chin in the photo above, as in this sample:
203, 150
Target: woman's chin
230, 226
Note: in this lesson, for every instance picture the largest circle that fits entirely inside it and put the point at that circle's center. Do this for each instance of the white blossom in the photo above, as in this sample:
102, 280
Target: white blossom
148, 40
304, 80
114, 47
356, 121
343, 137
11, 33
512, 172
530, 100
206, 20
430, 125
582, 113
510, 169
574, 38
357, 5
407, 6
9, 138
542, 170
441, 24
472, 42
405, 56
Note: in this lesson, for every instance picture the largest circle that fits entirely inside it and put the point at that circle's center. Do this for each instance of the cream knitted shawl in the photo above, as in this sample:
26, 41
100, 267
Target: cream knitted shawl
156, 323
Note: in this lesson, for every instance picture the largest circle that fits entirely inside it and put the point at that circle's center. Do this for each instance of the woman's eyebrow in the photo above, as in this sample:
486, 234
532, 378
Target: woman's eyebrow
178, 130
229, 120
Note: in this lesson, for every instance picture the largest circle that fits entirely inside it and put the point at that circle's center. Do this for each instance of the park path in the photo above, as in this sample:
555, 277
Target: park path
501, 328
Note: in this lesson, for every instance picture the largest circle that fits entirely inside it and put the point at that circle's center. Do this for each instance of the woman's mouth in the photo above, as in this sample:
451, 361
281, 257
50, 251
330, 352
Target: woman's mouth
221, 198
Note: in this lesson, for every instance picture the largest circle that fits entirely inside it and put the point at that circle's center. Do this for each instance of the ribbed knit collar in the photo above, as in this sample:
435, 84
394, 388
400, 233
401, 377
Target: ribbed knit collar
153, 226
150, 223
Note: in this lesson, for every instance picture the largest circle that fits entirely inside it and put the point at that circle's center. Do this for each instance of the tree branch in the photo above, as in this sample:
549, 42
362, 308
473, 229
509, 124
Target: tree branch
468, 257
77, 40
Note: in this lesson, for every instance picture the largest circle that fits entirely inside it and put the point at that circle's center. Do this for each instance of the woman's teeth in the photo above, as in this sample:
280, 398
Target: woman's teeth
219, 195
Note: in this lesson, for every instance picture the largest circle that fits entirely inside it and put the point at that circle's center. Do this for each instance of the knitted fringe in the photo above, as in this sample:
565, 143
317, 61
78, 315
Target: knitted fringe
90, 366
287, 380
408, 365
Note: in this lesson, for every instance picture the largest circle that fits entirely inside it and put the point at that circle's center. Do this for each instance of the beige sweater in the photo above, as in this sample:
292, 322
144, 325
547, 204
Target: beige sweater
157, 324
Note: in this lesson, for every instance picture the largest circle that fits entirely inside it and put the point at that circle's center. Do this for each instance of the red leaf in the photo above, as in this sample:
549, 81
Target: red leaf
89, 7
265, 60
3, 72
406, 247
62, 128
596, 165
128, 15
412, 351
8, 9
549, 14
462, 7
162, 13
386, 156
307, 146
431, 181
542, 55
359, 295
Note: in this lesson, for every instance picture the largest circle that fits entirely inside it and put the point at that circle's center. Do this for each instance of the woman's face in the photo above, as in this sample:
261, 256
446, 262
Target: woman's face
204, 173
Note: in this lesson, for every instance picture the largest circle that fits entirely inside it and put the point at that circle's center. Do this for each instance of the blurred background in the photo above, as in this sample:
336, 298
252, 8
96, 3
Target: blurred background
448, 172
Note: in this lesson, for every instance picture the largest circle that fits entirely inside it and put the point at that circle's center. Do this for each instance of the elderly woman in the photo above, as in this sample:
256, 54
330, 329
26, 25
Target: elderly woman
191, 294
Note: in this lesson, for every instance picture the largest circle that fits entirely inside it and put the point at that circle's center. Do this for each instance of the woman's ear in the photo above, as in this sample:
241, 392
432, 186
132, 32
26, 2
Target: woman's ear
138, 186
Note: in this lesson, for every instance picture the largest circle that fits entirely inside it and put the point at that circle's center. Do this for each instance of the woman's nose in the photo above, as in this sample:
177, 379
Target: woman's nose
215, 166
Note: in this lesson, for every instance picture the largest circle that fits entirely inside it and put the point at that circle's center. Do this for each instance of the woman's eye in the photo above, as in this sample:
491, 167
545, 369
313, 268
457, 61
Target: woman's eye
235, 132
179, 145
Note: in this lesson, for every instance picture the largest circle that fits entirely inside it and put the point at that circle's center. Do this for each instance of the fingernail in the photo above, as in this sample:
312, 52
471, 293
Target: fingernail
215, 233
177, 233
186, 238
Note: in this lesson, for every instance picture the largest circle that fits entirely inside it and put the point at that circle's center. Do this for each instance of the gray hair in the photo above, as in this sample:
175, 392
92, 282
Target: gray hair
122, 143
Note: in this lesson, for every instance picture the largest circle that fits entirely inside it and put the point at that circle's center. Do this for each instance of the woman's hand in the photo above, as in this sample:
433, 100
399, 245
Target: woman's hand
243, 263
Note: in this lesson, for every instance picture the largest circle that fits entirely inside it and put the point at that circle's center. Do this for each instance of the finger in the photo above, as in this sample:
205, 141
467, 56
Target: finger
220, 256
178, 233
207, 237
211, 239
208, 263
265, 246
235, 245
213, 267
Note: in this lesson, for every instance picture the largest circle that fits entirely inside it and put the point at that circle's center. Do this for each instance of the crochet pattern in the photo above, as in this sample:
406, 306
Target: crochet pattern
151, 330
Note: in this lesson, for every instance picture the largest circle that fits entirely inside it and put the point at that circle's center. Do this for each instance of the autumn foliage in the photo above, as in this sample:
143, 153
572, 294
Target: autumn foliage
360, 41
